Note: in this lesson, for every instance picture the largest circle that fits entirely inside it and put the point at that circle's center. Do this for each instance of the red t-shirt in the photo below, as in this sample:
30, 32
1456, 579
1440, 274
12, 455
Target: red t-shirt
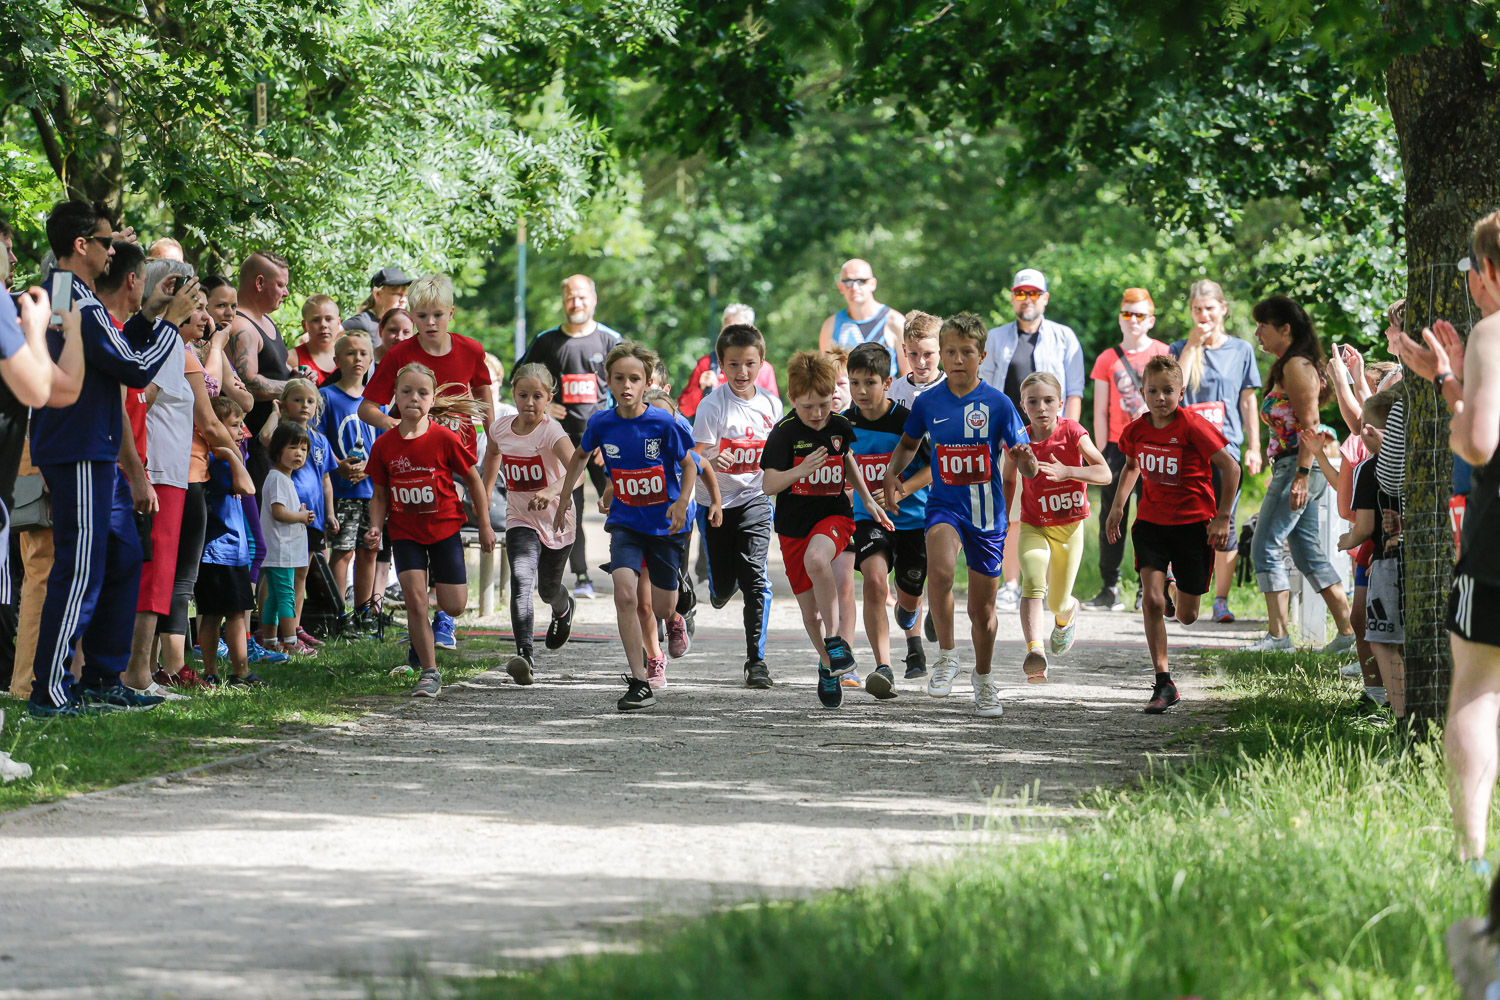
305, 358
1177, 476
1126, 402
462, 365
135, 406
418, 476
1045, 504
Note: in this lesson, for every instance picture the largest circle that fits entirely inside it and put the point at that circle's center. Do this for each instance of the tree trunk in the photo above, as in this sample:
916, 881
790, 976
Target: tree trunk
1447, 116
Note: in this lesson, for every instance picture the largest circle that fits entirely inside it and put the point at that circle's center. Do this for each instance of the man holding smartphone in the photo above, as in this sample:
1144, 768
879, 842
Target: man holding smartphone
91, 592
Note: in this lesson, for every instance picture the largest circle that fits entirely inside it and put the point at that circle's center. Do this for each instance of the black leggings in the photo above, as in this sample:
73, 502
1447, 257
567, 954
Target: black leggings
533, 567
189, 557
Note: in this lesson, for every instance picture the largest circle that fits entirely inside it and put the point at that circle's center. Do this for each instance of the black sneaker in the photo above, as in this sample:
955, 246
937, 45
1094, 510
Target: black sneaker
916, 664
929, 629
521, 668
757, 675
250, 680
840, 655
881, 682
637, 695
560, 627
1171, 611
1163, 697
1108, 599
412, 659
1138, 595
429, 685
830, 691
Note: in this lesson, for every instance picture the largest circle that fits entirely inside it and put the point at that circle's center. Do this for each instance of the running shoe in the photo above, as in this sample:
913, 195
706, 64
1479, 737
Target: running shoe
851, 680
521, 668
70, 709
656, 672
1170, 613
442, 631
637, 695
944, 672
1222, 614
905, 620
840, 655
155, 690
929, 628
187, 677
882, 682
1034, 666
1009, 597
223, 648
1163, 697
429, 685
1339, 644
585, 589
916, 664
307, 638
260, 654
1062, 636
300, 650
830, 691
987, 697
120, 698
561, 626
246, 680
757, 675
1108, 599
211, 680
412, 659
1268, 643
678, 640
1351, 670
1139, 594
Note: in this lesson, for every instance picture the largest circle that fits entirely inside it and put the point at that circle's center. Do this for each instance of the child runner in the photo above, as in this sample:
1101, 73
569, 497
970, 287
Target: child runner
352, 440
878, 426
1054, 510
968, 422
413, 468
842, 398
647, 455
1177, 521
730, 430
805, 464
533, 450
923, 352
224, 594
283, 521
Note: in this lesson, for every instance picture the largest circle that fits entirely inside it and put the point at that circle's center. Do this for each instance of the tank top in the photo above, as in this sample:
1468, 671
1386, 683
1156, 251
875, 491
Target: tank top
849, 332
1281, 422
1480, 551
271, 363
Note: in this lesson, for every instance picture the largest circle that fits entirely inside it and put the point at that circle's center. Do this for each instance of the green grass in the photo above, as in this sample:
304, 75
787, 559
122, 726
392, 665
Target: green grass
1306, 853
69, 756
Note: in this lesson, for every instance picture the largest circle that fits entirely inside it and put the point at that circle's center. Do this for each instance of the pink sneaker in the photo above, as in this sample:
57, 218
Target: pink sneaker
678, 640
308, 639
299, 649
656, 672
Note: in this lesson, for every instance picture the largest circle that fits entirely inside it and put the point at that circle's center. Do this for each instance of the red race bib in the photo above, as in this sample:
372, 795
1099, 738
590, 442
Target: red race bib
1456, 507
872, 469
640, 487
524, 473
828, 481
580, 388
1058, 503
1212, 412
963, 464
1160, 463
744, 454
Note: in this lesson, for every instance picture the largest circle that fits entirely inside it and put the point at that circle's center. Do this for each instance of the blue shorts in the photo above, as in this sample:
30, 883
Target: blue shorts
983, 550
1361, 575
661, 555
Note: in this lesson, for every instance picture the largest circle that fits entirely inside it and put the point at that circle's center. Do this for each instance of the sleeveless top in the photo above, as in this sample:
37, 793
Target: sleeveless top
849, 333
271, 363
1281, 422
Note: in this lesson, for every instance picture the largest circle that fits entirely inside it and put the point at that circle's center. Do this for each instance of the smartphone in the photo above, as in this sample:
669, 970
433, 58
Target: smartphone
1343, 365
62, 295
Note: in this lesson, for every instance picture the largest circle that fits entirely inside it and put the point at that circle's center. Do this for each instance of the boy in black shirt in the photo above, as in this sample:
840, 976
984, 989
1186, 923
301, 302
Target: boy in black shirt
806, 462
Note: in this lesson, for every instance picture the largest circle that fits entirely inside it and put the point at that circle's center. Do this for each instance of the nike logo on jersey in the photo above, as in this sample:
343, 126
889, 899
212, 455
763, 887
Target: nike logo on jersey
939, 420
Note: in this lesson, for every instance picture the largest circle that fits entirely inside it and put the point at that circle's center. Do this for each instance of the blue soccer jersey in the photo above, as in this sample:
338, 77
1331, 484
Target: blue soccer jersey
967, 435
644, 458
874, 442
348, 434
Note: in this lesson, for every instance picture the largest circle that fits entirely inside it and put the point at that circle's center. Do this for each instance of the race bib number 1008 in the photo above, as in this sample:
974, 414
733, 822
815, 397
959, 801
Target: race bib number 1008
828, 481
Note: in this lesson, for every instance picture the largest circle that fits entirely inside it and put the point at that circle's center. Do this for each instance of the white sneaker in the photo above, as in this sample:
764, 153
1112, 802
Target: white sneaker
987, 697
1009, 597
1268, 643
1350, 670
155, 690
1339, 644
944, 672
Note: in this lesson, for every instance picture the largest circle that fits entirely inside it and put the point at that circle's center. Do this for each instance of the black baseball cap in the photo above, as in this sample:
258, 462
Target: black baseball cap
389, 276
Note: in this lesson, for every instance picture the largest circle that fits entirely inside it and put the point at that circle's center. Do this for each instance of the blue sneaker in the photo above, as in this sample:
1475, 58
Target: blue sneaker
830, 691
442, 631
260, 654
905, 620
70, 709
118, 697
223, 651
840, 655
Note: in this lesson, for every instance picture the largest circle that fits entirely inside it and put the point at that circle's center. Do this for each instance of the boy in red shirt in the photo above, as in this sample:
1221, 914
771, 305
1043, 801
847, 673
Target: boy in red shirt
1178, 523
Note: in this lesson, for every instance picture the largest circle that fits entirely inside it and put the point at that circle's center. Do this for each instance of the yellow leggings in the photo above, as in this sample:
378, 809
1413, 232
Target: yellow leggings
1049, 562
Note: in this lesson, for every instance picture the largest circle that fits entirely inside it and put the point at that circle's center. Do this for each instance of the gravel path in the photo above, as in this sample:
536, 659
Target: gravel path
526, 822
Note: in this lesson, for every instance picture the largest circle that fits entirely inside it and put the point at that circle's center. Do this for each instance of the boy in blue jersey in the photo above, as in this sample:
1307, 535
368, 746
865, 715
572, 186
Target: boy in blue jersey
352, 439
878, 426
647, 454
968, 422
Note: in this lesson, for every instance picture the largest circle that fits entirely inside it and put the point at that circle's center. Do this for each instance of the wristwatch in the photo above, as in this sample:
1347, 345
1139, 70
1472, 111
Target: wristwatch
1303, 470
1439, 379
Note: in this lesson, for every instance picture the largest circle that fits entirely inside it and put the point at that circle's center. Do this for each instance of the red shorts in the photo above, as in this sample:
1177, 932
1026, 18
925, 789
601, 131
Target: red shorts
158, 575
839, 530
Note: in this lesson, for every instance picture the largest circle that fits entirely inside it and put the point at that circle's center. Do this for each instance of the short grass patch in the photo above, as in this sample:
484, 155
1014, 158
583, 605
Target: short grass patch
346, 681
1305, 852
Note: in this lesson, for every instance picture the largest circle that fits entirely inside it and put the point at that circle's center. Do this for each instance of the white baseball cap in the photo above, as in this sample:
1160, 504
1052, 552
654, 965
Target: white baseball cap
1030, 277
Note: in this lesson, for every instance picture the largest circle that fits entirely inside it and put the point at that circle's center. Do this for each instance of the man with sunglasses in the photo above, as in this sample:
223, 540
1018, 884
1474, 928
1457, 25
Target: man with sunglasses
1030, 343
863, 320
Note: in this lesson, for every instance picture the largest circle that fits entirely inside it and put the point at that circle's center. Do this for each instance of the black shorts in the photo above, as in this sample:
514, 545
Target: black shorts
905, 552
1181, 548
315, 540
443, 561
223, 590
1472, 608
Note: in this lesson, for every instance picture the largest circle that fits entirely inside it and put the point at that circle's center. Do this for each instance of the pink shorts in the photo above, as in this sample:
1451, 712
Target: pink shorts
158, 575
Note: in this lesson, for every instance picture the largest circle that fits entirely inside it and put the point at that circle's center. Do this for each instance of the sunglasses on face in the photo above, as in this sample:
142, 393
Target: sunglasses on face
854, 282
1126, 314
1029, 294
104, 241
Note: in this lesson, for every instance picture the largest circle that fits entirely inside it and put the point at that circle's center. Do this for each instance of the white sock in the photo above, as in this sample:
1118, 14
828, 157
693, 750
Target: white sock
1377, 694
